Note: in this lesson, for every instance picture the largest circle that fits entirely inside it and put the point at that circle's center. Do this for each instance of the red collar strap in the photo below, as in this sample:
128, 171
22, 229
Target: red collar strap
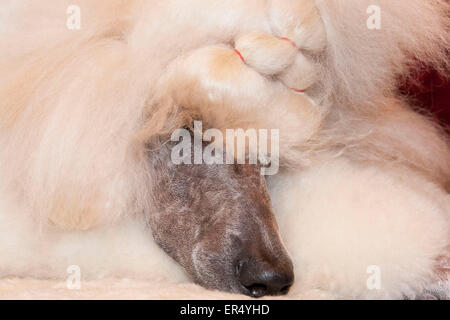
240, 55
290, 41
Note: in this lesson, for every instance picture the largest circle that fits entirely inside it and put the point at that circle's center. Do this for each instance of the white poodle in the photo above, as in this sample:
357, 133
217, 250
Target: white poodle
90, 92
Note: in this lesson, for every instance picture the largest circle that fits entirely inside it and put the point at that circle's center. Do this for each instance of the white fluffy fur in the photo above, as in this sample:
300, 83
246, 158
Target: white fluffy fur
338, 219
78, 106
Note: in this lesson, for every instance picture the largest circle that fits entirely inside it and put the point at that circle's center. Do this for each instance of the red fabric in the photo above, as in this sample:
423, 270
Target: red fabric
432, 93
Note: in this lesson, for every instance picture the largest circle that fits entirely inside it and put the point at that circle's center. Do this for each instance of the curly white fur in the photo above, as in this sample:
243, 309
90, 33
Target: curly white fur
77, 108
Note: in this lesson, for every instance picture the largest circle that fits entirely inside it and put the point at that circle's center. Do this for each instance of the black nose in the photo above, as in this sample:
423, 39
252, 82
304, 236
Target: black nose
258, 279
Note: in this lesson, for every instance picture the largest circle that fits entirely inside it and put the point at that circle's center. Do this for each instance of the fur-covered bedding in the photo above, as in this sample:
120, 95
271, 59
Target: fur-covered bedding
122, 289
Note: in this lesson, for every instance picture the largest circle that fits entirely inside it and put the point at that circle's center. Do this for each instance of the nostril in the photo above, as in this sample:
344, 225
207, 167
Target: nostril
257, 290
258, 277
258, 284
